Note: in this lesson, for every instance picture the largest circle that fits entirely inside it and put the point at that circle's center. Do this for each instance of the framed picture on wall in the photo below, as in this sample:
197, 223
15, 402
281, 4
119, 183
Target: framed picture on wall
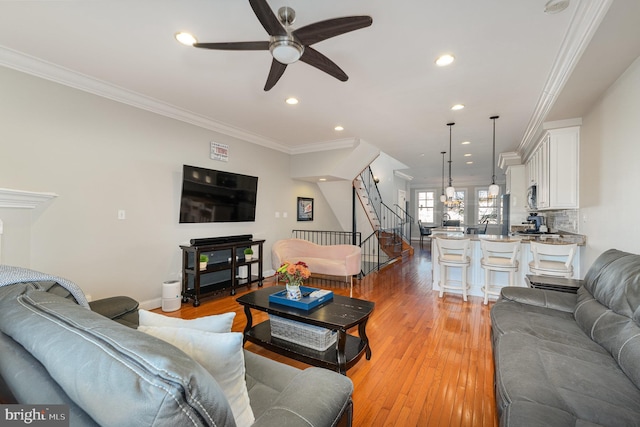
305, 209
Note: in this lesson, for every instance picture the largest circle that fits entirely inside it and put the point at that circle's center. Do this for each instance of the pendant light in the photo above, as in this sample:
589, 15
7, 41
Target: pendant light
443, 198
494, 189
450, 191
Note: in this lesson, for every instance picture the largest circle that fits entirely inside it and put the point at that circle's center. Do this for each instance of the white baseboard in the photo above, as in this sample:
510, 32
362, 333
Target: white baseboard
151, 304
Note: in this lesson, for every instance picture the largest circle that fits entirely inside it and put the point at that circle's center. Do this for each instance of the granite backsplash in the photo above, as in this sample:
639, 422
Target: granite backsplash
562, 220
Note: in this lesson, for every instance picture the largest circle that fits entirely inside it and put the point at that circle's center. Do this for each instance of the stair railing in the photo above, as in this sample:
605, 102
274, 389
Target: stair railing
374, 198
406, 221
385, 243
323, 237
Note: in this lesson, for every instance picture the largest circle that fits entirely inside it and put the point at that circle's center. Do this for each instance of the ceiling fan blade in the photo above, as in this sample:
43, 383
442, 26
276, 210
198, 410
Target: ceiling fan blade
276, 71
267, 18
234, 46
321, 62
323, 30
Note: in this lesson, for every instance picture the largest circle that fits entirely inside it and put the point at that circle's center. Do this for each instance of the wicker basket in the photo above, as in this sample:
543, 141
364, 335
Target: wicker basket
310, 336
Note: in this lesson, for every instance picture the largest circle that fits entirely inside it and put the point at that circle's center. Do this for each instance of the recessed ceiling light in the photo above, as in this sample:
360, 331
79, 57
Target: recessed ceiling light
291, 101
555, 6
445, 60
469, 163
338, 128
466, 142
467, 155
457, 107
322, 179
186, 39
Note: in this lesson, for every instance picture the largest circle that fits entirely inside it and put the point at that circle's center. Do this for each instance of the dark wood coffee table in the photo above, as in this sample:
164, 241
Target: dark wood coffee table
340, 314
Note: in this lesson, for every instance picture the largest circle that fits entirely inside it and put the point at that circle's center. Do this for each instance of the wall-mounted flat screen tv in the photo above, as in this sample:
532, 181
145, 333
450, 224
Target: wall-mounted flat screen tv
217, 196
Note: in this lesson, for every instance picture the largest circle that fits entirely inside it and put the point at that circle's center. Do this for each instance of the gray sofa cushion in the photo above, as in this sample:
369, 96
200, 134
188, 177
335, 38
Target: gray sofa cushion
523, 310
280, 394
608, 309
111, 371
586, 383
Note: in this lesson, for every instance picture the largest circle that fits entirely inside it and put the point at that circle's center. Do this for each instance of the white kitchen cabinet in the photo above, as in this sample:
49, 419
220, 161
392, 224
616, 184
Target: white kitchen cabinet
553, 168
564, 150
533, 168
543, 182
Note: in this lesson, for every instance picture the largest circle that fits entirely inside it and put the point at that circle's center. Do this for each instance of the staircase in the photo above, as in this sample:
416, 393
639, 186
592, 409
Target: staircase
390, 238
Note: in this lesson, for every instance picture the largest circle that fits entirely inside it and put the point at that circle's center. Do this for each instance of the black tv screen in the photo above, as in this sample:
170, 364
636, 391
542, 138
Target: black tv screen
216, 196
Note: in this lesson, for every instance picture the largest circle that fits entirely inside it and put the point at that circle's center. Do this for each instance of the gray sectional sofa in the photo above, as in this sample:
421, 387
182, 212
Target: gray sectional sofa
54, 351
571, 359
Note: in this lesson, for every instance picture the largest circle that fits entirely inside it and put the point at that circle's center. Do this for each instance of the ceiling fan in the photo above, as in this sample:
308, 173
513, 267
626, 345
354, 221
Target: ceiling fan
288, 45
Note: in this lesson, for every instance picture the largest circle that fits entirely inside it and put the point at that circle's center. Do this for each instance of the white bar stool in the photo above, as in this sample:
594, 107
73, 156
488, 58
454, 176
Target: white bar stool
453, 253
552, 259
498, 255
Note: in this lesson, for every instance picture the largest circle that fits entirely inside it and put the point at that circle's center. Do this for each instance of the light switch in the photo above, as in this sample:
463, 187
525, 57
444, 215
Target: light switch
122, 214
284, 214
277, 214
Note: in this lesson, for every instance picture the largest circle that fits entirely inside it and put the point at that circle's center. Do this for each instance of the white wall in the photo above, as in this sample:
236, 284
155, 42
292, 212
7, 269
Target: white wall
610, 169
16, 236
100, 156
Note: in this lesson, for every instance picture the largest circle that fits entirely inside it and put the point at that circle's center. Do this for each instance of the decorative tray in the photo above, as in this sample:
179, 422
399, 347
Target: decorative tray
311, 298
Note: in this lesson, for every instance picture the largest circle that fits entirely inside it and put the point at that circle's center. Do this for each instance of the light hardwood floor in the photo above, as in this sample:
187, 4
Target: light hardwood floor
432, 361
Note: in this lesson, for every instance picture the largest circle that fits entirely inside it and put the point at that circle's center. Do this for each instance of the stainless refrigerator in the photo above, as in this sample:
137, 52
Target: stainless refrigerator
504, 213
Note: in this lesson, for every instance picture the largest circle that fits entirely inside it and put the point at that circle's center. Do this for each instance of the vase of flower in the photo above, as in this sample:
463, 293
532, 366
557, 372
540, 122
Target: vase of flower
293, 275
293, 292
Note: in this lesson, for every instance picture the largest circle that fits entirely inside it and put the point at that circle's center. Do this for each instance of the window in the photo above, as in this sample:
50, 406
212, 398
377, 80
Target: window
426, 203
487, 208
455, 209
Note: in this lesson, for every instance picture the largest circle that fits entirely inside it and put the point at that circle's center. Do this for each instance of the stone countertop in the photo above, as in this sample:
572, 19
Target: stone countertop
553, 239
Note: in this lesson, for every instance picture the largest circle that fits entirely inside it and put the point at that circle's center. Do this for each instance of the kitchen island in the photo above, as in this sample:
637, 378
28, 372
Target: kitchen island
476, 272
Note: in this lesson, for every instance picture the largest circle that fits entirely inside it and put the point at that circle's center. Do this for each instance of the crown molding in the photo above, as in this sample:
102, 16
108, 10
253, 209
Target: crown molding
402, 175
64, 76
509, 158
558, 124
336, 144
585, 22
23, 199
46, 70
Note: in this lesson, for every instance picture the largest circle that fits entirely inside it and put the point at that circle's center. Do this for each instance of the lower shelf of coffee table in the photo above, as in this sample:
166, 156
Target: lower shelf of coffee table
261, 335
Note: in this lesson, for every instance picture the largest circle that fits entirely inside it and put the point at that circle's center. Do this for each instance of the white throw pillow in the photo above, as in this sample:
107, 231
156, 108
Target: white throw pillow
219, 353
215, 323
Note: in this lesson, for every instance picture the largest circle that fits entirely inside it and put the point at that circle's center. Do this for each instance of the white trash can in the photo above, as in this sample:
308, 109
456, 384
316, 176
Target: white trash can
171, 299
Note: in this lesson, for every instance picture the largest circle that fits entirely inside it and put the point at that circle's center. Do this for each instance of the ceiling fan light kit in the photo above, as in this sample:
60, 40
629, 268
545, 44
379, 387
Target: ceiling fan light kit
288, 46
285, 50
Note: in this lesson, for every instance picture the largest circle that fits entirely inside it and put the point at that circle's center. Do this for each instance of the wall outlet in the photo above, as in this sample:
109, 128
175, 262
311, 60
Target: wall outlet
122, 214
